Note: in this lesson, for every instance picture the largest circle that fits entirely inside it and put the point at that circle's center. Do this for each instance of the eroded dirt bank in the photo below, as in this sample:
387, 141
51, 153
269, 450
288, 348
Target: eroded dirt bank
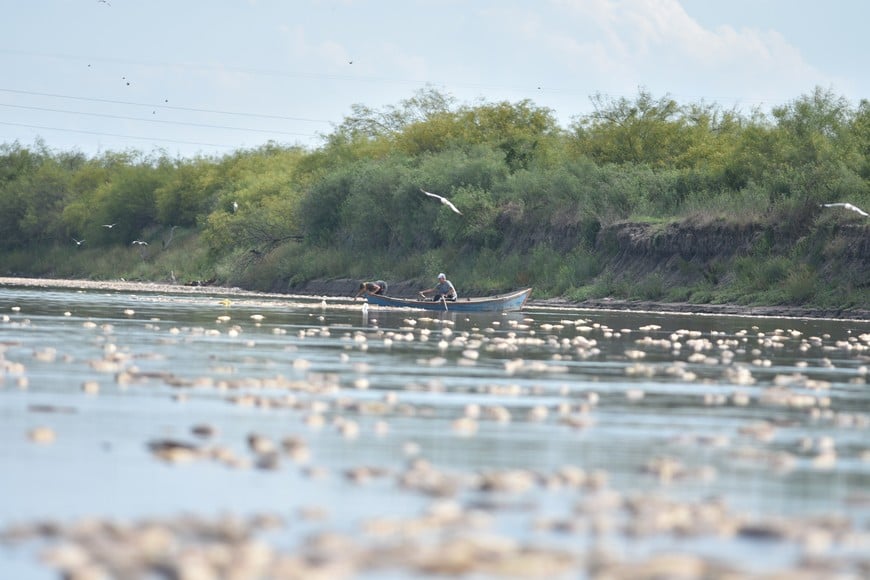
678, 255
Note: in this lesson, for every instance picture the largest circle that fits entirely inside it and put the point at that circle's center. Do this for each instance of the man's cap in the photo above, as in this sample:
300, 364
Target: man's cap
441, 275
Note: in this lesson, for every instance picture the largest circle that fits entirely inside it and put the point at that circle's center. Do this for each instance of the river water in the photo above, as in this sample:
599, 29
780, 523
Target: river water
169, 434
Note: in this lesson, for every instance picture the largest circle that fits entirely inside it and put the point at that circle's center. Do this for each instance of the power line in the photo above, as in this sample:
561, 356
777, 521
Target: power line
122, 117
537, 89
162, 106
101, 134
246, 70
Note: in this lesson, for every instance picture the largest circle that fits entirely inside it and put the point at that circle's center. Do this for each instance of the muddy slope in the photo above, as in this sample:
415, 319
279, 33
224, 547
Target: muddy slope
689, 253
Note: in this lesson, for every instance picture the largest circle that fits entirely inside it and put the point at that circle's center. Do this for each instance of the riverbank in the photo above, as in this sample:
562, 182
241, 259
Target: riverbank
345, 287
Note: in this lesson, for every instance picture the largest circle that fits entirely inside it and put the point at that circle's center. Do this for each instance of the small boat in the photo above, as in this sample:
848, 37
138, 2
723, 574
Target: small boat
499, 303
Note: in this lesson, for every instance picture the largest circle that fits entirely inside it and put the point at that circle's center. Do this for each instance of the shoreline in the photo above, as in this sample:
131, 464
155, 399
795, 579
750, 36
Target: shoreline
339, 287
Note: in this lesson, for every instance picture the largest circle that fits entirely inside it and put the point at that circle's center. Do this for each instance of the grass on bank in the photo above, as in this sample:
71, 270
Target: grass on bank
799, 276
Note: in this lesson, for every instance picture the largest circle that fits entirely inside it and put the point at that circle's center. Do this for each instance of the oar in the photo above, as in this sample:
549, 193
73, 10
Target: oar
444, 301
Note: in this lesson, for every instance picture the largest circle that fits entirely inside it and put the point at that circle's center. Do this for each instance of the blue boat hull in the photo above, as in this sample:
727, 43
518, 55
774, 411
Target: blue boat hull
502, 302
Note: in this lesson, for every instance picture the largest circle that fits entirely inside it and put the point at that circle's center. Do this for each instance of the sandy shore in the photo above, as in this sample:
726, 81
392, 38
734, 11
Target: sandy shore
342, 288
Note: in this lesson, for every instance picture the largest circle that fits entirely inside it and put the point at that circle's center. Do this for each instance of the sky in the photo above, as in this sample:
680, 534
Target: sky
188, 78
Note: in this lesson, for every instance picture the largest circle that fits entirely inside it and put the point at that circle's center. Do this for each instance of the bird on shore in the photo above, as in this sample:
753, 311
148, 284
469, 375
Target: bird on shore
848, 206
78, 242
443, 200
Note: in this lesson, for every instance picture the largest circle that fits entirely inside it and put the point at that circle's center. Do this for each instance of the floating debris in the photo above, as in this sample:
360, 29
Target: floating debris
42, 435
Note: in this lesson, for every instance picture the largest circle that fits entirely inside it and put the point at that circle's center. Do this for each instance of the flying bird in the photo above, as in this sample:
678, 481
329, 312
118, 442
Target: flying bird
847, 206
109, 226
140, 242
78, 242
443, 200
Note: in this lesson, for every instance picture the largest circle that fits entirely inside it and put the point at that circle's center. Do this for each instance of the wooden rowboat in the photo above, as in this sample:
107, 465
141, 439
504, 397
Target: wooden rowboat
499, 303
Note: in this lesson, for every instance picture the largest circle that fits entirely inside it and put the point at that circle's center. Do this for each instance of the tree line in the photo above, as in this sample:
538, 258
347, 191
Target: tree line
533, 194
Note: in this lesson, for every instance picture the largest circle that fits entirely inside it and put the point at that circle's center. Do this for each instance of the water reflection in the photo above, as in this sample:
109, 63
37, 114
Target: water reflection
630, 431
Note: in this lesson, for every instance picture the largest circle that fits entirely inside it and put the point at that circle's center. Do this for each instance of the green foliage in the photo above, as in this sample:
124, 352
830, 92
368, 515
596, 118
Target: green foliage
800, 285
319, 207
18, 170
374, 199
480, 166
644, 131
755, 274
477, 227
368, 123
524, 133
188, 194
129, 201
536, 201
651, 287
256, 205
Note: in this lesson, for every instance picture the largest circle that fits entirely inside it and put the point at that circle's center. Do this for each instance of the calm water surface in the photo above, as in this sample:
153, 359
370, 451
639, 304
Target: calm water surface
766, 418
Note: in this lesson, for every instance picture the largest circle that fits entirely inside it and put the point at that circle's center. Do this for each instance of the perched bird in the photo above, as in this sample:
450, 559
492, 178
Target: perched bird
847, 206
443, 200
140, 242
78, 242
235, 207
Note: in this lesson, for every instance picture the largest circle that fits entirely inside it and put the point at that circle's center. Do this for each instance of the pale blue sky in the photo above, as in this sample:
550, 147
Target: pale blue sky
210, 77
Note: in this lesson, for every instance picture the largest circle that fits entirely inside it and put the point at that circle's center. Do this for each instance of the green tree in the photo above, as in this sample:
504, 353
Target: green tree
526, 134
860, 129
46, 190
258, 204
129, 200
17, 166
319, 207
188, 194
643, 130
392, 120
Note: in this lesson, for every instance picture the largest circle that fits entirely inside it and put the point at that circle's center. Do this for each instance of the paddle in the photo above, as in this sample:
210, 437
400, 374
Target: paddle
444, 301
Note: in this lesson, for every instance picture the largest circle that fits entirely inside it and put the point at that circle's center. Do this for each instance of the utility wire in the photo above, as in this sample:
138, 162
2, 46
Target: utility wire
162, 106
529, 89
118, 135
109, 116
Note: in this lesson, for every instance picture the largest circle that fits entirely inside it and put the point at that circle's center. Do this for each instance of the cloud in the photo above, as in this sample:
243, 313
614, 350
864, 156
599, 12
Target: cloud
656, 42
320, 53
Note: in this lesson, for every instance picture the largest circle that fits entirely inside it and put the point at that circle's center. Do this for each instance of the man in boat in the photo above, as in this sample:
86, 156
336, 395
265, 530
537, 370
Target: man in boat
376, 287
443, 290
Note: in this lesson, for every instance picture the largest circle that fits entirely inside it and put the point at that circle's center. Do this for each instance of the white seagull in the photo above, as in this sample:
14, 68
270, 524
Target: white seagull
78, 242
109, 226
443, 200
140, 242
847, 206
